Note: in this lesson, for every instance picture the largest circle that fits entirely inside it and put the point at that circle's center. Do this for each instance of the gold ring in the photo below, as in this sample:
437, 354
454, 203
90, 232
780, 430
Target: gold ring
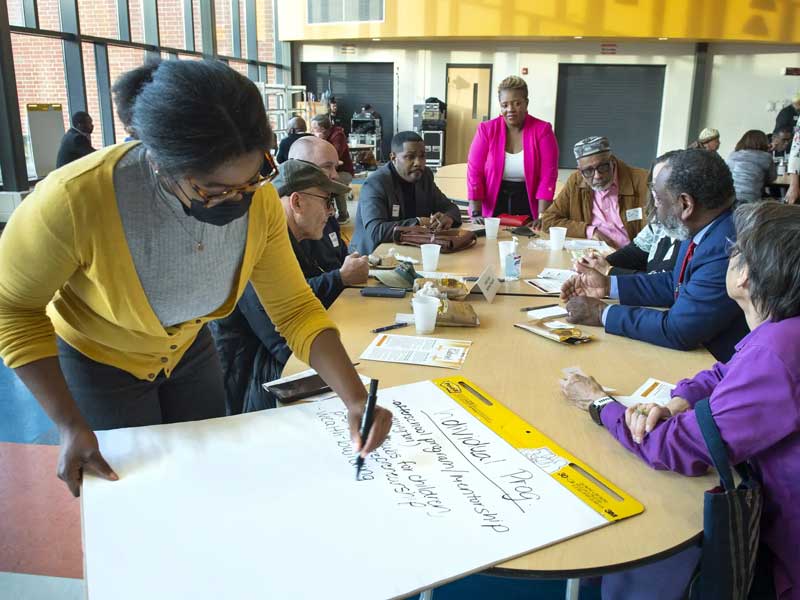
642, 411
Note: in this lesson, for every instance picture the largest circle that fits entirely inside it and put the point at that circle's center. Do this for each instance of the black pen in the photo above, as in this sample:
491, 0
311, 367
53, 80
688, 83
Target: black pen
366, 421
390, 327
527, 308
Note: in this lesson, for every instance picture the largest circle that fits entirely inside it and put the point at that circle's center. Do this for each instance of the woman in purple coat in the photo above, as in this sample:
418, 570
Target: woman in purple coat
755, 401
513, 161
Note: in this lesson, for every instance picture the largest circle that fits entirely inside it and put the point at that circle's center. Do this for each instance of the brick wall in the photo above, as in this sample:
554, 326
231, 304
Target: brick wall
39, 62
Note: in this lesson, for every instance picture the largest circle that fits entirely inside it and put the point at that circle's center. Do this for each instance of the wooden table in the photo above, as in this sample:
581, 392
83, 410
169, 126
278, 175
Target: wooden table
473, 261
522, 370
783, 180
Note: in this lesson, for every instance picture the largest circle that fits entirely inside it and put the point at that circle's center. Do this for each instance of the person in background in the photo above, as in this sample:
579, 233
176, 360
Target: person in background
331, 250
793, 170
251, 350
693, 195
333, 113
125, 90
111, 268
322, 127
513, 160
754, 401
787, 117
604, 199
651, 251
708, 140
401, 193
77, 142
296, 130
752, 166
780, 141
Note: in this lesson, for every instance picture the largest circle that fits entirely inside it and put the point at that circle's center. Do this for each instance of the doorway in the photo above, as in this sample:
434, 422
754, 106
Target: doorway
620, 102
468, 99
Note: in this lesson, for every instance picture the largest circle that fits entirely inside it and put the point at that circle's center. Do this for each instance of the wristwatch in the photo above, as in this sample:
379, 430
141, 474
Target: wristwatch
596, 407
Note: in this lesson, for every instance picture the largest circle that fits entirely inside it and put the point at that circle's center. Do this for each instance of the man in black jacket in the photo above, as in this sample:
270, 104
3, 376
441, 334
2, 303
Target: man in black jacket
251, 350
401, 193
297, 130
77, 142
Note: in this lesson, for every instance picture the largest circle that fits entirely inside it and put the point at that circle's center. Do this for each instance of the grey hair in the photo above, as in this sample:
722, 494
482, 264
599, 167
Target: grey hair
323, 120
768, 241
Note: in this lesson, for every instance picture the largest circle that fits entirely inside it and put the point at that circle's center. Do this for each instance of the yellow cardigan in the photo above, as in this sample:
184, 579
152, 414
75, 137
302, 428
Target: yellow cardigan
64, 255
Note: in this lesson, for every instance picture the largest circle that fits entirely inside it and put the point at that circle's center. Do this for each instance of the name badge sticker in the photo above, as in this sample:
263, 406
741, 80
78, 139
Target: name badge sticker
634, 214
395, 210
334, 239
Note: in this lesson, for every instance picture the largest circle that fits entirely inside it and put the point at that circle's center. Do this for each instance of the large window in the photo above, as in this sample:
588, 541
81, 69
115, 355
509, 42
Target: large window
45, 63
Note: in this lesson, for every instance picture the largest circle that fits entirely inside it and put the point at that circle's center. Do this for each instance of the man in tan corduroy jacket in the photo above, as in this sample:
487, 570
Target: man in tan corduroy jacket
604, 199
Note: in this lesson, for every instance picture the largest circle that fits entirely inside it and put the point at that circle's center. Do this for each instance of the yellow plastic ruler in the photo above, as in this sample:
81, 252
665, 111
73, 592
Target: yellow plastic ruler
595, 490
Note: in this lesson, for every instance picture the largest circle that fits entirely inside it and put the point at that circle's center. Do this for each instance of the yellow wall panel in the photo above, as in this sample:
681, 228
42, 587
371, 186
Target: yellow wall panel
771, 21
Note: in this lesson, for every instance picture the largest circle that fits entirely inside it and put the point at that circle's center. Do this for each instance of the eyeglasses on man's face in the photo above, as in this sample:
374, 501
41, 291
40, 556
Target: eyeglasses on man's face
267, 173
330, 199
604, 168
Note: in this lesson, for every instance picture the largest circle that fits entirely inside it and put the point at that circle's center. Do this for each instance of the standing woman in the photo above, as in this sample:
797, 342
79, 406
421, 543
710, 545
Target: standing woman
513, 161
111, 268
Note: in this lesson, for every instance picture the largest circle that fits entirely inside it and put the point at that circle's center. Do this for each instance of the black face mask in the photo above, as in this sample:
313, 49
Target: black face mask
221, 214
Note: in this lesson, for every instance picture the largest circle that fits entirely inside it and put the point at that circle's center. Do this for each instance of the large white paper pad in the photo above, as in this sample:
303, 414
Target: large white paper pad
266, 506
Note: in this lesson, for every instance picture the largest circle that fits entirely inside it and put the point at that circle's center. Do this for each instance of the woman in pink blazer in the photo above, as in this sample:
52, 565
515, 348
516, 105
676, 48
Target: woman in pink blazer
513, 161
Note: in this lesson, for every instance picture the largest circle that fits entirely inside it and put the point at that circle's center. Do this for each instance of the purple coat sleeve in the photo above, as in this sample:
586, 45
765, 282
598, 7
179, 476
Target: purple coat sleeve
548, 163
701, 385
754, 406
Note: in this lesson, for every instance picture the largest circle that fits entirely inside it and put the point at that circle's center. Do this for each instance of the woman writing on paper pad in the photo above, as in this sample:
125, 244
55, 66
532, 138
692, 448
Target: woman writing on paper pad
111, 268
754, 399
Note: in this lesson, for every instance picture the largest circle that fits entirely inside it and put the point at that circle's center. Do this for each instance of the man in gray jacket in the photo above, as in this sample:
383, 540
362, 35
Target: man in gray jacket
401, 193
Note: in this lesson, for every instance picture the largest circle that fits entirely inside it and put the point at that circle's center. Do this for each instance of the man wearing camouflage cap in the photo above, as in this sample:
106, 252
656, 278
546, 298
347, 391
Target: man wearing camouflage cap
604, 199
252, 352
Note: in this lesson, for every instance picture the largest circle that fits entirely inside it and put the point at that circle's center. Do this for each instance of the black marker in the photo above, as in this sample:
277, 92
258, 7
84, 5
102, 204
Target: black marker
390, 327
366, 421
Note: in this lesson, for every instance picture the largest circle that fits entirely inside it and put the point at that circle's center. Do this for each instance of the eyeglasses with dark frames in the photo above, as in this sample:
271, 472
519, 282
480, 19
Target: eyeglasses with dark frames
330, 199
604, 168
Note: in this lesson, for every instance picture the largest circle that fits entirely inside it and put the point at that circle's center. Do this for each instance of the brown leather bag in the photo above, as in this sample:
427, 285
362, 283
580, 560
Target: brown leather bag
451, 240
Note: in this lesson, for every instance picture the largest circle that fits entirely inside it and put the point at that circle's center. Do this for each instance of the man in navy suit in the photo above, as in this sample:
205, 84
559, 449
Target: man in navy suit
693, 194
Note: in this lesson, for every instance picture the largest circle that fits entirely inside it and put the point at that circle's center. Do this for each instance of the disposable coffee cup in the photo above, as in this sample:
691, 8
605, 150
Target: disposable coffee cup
430, 256
557, 237
425, 311
492, 226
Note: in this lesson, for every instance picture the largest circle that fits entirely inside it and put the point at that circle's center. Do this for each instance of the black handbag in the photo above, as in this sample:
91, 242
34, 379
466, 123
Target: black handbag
731, 523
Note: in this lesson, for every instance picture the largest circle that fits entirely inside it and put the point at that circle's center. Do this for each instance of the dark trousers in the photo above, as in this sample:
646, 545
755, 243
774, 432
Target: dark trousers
512, 199
110, 398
